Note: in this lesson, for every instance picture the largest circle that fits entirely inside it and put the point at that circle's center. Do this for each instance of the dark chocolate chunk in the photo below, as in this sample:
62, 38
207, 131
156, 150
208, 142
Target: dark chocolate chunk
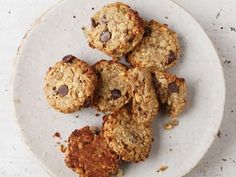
171, 57
63, 90
115, 93
147, 31
93, 23
68, 58
172, 87
105, 36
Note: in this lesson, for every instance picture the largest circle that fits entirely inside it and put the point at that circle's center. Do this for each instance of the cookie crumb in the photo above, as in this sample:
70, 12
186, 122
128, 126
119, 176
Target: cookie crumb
17, 100
170, 125
120, 173
83, 28
57, 134
74, 16
170, 149
166, 17
222, 27
97, 114
162, 168
232, 29
77, 117
92, 8
218, 14
227, 61
63, 148
224, 160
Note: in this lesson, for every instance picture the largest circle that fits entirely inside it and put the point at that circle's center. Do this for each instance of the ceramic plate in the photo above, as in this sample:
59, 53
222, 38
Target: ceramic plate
58, 33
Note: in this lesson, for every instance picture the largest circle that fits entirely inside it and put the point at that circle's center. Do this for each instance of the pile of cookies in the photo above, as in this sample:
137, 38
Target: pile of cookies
129, 95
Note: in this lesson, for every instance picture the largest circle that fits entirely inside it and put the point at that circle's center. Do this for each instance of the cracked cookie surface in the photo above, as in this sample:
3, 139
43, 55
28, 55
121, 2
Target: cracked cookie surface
116, 29
89, 155
145, 103
158, 50
172, 92
70, 84
129, 139
112, 92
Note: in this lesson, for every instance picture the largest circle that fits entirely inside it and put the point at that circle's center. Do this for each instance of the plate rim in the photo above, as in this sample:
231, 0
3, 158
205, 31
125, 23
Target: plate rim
28, 33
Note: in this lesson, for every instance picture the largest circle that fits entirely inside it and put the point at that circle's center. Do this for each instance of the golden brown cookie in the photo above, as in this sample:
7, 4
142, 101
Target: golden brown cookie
172, 92
129, 139
70, 84
145, 103
116, 29
112, 92
158, 50
89, 155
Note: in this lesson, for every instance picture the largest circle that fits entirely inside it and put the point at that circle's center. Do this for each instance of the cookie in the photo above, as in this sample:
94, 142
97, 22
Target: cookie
116, 29
158, 50
70, 84
172, 92
89, 155
145, 103
112, 92
130, 140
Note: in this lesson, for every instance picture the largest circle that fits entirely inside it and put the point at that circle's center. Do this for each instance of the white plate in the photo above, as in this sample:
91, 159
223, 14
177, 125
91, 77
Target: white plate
58, 33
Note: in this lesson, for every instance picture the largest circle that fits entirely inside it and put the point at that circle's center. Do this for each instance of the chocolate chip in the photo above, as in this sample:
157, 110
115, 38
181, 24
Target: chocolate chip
87, 103
171, 57
172, 87
54, 88
68, 58
115, 93
105, 36
93, 23
147, 31
63, 90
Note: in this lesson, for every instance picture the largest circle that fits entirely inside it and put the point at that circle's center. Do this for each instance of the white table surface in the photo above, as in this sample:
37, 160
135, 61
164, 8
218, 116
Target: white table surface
218, 18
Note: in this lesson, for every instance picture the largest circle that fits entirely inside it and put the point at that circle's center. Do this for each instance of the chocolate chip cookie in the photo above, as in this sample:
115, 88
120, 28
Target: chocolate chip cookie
158, 50
112, 92
145, 103
89, 155
116, 29
172, 92
70, 84
129, 139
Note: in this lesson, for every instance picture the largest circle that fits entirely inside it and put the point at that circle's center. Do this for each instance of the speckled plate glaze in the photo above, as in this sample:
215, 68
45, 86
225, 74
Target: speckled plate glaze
58, 33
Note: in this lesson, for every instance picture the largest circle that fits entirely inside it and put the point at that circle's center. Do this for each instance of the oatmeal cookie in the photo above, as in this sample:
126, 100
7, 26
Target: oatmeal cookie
129, 139
158, 50
112, 92
172, 92
89, 155
145, 103
116, 29
70, 84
